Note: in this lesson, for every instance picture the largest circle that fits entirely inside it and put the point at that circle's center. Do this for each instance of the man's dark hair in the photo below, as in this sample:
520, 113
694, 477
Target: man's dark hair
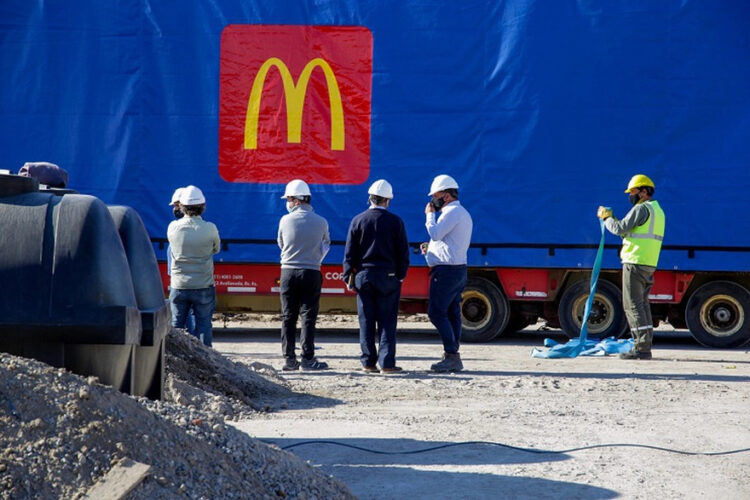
193, 210
649, 190
378, 200
452, 192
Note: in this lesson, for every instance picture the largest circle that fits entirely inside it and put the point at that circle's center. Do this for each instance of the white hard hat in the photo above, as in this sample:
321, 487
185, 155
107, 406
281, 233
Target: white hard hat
176, 196
381, 188
297, 187
192, 195
441, 183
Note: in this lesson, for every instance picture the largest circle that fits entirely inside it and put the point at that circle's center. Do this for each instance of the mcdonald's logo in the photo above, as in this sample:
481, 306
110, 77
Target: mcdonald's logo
294, 102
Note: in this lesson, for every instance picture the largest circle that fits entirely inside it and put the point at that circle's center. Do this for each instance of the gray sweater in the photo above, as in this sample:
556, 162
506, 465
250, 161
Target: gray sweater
303, 239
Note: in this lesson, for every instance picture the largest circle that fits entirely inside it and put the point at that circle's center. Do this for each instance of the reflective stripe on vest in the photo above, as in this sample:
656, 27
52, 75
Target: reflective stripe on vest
643, 244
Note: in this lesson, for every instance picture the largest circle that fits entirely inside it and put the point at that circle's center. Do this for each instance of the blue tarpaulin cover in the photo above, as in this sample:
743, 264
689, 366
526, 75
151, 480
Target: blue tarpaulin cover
541, 110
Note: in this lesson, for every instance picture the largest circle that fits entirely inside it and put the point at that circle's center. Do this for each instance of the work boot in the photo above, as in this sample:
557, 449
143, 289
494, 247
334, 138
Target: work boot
636, 355
290, 365
313, 364
451, 363
392, 369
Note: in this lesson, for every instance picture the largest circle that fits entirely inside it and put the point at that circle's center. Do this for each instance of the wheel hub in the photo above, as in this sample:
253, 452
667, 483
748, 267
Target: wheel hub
721, 315
600, 317
475, 309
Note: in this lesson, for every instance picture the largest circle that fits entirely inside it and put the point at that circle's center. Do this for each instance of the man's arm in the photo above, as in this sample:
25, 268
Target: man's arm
325, 245
351, 250
217, 240
402, 252
637, 216
279, 236
438, 228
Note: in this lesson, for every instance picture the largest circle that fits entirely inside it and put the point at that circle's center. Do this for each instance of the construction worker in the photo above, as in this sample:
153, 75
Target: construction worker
642, 232
304, 241
376, 258
192, 244
450, 235
175, 204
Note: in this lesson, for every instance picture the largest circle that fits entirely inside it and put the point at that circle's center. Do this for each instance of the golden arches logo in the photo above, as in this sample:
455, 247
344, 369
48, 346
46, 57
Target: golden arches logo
294, 95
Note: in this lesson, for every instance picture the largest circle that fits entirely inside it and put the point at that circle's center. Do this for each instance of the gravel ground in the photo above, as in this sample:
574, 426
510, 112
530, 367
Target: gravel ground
688, 399
59, 433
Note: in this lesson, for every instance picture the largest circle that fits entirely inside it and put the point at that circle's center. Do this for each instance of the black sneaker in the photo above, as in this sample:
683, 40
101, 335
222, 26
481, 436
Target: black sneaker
636, 355
313, 364
290, 365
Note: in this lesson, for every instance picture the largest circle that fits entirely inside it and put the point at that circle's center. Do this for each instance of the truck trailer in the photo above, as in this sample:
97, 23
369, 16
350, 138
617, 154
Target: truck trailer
542, 111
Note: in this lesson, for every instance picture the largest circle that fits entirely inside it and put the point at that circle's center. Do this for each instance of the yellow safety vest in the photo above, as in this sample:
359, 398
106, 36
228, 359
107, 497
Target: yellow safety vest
643, 244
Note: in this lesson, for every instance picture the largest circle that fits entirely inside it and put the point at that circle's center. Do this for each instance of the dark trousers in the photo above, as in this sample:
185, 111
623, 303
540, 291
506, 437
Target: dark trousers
300, 295
378, 292
446, 286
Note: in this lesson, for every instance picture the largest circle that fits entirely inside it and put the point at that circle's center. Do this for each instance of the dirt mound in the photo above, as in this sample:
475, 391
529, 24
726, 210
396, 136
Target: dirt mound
200, 377
59, 433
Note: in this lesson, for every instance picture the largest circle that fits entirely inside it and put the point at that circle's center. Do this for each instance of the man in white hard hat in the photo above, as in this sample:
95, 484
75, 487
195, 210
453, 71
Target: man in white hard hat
193, 243
175, 204
304, 241
446, 255
377, 256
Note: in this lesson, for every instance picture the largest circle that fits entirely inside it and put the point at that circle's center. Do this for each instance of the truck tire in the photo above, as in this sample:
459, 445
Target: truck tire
607, 318
484, 311
717, 314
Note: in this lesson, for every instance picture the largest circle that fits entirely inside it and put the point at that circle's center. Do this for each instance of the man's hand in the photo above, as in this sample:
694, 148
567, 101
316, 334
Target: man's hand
604, 213
349, 280
429, 209
423, 248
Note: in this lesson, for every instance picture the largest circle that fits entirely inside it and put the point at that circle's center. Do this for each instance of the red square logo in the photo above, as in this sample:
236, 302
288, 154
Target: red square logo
294, 103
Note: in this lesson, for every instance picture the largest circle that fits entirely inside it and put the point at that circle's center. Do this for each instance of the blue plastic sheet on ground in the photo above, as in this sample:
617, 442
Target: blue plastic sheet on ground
581, 345
609, 345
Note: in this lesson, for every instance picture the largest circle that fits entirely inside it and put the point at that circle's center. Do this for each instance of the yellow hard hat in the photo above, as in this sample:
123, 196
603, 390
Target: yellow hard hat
639, 180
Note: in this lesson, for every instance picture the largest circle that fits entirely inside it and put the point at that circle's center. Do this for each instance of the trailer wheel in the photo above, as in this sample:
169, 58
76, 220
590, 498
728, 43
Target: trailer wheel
607, 318
484, 310
717, 314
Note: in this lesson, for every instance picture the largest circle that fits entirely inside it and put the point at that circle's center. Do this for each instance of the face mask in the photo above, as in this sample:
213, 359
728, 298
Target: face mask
437, 203
634, 198
177, 213
289, 206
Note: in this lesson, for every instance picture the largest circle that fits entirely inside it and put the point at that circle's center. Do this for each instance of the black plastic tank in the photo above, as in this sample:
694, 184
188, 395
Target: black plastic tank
149, 295
66, 293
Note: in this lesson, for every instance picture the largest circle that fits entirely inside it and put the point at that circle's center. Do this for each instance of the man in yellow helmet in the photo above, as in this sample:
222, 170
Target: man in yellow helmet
642, 232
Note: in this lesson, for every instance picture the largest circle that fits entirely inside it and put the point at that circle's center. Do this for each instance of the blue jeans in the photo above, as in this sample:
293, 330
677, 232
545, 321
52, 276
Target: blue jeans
378, 292
202, 301
446, 285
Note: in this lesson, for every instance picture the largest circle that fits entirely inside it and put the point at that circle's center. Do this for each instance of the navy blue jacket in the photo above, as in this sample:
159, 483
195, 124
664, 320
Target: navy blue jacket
376, 239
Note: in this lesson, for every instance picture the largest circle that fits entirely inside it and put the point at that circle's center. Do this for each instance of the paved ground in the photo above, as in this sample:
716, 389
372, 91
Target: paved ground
688, 398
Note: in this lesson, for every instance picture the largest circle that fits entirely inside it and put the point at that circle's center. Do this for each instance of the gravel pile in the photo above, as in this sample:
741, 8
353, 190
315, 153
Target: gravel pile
201, 377
60, 433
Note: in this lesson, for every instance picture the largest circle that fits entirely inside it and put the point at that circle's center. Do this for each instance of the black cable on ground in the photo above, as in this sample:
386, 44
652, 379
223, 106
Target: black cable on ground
518, 448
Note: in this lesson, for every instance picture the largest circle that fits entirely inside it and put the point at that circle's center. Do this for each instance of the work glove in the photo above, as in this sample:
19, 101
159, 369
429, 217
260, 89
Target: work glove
604, 212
